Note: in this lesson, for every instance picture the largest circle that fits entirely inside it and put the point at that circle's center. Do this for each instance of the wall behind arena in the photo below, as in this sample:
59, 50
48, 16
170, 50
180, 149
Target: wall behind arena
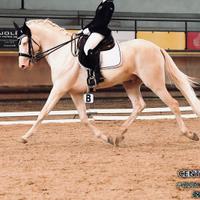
153, 6
11, 76
10, 4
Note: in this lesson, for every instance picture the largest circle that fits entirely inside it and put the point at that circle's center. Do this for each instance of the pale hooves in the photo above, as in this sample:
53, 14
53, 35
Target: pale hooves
195, 137
118, 140
23, 140
110, 140
192, 136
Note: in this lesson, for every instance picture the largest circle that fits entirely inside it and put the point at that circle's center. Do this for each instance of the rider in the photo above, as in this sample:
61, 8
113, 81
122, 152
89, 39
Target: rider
97, 30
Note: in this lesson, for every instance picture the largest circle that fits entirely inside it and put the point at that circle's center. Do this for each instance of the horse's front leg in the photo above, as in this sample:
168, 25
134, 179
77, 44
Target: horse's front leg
81, 108
54, 96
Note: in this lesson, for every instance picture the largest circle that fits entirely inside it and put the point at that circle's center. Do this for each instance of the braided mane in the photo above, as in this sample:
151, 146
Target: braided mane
48, 23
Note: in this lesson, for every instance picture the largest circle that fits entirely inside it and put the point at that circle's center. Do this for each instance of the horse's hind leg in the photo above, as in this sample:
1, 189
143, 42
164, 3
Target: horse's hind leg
133, 91
152, 74
174, 106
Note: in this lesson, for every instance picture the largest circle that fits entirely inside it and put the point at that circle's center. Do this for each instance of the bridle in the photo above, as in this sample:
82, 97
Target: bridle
36, 56
31, 54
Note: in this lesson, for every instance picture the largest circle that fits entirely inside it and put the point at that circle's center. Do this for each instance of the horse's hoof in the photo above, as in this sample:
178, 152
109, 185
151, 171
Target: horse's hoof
118, 140
23, 140
192, 136
195, 137
110, 140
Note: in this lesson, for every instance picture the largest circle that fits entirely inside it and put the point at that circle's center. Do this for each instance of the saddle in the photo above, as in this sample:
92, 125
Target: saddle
92, 60
106, 44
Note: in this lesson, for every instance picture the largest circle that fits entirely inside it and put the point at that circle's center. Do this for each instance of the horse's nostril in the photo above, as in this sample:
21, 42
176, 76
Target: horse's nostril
22, 66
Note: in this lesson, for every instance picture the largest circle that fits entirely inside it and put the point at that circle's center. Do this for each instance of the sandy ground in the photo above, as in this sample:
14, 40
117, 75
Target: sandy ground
66, 162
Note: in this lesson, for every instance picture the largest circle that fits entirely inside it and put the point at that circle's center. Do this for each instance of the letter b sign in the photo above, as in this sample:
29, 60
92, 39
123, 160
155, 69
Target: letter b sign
89, 98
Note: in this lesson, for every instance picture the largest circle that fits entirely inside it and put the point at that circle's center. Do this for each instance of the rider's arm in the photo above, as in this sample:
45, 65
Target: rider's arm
104, 17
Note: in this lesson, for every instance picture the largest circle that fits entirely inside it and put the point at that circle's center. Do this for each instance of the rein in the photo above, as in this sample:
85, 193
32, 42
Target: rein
38, 56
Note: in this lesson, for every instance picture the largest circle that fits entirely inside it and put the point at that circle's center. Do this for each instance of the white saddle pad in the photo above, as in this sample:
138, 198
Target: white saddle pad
111, 58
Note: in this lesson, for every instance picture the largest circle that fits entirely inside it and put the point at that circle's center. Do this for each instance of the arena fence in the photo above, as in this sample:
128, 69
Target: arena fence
94, 115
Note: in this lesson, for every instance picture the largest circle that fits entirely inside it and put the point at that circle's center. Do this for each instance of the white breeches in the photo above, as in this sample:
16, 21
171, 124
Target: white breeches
93, 40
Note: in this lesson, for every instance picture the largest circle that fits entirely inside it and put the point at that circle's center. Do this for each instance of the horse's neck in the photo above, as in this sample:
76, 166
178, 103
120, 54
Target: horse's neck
48, 37
61, 60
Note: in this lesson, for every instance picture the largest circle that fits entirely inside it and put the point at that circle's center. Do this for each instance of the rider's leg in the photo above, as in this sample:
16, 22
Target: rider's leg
93, 40
93, 56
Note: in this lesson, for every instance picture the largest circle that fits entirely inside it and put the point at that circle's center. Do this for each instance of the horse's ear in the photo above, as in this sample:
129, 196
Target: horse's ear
25, 24
26, 29
16, 26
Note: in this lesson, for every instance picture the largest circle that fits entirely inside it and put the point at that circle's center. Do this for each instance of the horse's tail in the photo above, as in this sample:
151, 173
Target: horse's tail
183, 82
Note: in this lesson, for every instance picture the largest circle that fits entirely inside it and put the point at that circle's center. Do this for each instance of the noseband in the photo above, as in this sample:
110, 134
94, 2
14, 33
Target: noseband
31, 54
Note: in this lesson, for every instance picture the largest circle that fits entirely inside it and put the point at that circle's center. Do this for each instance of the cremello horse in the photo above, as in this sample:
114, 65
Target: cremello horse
142, 62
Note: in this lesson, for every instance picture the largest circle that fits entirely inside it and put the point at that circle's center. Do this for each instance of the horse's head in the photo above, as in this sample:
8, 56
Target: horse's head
27, 44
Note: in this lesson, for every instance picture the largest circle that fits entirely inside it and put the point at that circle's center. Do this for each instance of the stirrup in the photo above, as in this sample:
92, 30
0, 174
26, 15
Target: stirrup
91, 80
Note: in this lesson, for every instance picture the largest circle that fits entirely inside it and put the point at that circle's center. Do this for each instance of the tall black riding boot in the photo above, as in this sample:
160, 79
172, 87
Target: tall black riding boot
94, 61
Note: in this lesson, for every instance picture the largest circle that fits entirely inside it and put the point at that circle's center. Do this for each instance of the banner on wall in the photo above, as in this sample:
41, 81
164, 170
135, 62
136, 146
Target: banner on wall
193, 40
8, 39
